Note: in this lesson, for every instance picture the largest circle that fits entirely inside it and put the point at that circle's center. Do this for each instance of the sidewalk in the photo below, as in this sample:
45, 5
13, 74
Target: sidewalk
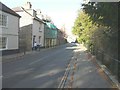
9, 58
84, 73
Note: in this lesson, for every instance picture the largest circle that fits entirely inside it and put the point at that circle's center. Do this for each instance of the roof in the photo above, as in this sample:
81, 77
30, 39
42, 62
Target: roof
17, 9
21, 9
36, 18
8, 10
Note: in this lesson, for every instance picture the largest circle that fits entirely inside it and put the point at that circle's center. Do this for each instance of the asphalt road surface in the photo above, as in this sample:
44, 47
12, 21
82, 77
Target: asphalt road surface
45, 69
37, 70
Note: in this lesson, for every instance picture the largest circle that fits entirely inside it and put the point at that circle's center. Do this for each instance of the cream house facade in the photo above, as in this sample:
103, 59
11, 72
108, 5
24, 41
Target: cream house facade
9, 30
29, 18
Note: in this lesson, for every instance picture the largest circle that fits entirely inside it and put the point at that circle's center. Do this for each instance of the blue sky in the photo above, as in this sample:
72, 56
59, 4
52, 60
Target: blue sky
62, 12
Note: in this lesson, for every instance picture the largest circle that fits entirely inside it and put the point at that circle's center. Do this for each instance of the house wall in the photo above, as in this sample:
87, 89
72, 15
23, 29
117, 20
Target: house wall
60, 39
11, 31
25, 19
38, 30
32, 12
50, 36
43, 35
26, 38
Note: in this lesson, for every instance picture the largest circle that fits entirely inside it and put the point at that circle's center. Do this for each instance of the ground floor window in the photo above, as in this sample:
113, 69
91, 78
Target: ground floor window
3, 42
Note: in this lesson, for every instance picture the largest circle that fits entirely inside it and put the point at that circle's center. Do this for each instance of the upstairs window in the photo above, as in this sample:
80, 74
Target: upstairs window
3, 20
40, 27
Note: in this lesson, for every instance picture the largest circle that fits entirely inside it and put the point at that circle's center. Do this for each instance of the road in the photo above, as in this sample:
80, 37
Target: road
37, 70
46, 69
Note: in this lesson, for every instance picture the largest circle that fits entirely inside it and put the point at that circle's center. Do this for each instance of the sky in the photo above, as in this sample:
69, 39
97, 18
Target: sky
62, 12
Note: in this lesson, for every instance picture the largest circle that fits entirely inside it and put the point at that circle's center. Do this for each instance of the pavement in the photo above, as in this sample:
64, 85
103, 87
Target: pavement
86, 72
16, 56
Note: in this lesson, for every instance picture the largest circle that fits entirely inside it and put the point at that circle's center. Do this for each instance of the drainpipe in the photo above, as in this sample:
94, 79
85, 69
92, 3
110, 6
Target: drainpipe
18, 35
44, 35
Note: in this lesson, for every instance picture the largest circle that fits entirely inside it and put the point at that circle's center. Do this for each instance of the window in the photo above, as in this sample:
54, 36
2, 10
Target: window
39, 38
3, 20
40, 28
3, 42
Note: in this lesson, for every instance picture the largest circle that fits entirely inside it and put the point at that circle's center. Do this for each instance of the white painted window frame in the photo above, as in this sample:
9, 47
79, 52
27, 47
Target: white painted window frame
6, 21
6, 44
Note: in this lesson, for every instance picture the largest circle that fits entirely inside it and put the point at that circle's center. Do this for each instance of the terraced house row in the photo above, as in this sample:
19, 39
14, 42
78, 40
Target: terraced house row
21, 27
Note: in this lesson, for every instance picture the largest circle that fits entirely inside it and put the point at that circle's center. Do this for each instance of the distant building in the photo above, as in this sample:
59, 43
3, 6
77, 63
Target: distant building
9, 30
61, 38
51, 33
32, 27
65, 34
50, 30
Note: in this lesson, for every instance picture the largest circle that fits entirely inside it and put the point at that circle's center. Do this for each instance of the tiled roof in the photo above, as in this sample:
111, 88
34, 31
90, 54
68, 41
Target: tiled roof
8, 10
17, 9
21, 9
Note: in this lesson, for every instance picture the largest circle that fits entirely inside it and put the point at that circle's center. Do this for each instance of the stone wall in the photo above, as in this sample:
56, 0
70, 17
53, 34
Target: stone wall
25, 41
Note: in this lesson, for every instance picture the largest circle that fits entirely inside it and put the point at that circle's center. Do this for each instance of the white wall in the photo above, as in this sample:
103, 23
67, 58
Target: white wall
43, 34
36, 25
11, 31
12, 41
25, 19
12, 26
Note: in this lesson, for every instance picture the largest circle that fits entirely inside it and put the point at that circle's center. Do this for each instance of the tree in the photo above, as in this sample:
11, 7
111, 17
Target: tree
97, 26
84, 28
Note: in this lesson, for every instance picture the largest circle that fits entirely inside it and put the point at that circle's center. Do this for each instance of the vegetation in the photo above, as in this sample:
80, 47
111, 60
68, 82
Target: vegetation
97, 27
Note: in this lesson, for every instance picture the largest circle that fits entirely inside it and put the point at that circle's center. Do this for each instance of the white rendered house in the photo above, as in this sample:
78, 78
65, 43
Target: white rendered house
9, 30
35, 25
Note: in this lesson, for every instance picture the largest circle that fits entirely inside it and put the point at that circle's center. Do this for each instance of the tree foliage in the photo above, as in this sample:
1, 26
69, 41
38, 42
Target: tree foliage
105, 16
104, 13
97, 22
97, 27
82, 26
